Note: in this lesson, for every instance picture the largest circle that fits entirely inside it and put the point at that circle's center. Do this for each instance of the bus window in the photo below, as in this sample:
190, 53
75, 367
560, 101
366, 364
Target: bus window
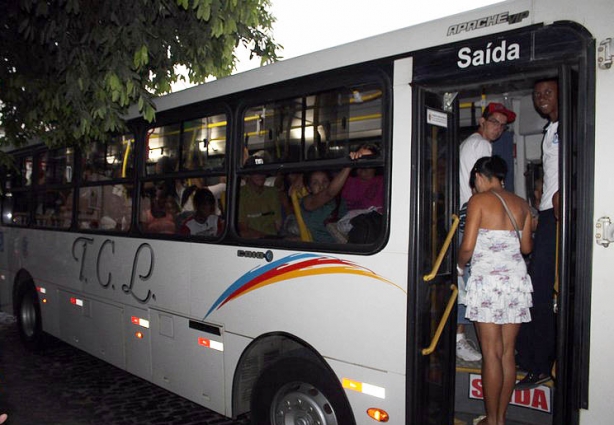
15, 208
105, 207
23, 177
326, 125
110, 160
162, 152
195, 149
54, 208
344, 119
295, 132
54, 189
55, 166
187, 207
104, 200
204, 143
16, 202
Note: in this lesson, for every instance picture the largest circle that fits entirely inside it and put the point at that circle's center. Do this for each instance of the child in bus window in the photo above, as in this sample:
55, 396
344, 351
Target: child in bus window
204, 221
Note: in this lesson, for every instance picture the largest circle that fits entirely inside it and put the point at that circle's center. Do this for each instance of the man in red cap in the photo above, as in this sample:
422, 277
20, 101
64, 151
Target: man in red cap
492, 124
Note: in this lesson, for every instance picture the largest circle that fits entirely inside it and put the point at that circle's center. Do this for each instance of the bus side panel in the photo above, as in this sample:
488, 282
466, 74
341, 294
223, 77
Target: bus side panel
188, 361
384, 390
93, 326
137, 331
49, 301
362, 298
601, 374
234, 347
55, 257
132, 271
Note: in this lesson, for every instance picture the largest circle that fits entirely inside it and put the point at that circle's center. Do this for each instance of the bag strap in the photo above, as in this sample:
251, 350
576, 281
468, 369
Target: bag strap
509, 213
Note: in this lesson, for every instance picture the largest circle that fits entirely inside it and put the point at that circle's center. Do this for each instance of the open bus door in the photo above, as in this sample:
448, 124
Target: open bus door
432, 322
439, 122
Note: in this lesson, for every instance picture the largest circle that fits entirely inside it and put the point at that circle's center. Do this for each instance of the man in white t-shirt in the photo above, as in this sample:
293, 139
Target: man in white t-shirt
492, 124
536, 340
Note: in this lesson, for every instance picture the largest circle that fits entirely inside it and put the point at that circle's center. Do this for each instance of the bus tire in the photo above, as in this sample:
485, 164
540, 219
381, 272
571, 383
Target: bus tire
29, 318
296, 390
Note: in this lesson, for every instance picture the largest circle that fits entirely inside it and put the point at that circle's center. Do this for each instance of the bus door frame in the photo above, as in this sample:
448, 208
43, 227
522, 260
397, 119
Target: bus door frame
422, 370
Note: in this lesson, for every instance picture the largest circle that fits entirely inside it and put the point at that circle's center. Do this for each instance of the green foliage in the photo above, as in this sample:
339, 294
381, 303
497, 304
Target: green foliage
69, 69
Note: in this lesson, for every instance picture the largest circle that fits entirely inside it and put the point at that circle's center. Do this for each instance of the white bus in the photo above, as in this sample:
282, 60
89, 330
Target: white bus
354, 329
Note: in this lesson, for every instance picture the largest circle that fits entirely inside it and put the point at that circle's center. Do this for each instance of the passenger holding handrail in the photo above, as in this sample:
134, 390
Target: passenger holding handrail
497, 233
366, 189
323, 204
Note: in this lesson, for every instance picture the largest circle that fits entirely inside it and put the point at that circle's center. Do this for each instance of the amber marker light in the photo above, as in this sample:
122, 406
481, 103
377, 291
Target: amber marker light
139, 335
44, 300
378, 414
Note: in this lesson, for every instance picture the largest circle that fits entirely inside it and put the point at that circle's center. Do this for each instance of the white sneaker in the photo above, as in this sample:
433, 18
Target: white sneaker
466, 351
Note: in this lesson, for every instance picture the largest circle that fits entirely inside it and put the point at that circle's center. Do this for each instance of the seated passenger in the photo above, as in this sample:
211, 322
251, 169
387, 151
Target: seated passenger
323, 205
259, 206
204, 221
162, 220
366, 189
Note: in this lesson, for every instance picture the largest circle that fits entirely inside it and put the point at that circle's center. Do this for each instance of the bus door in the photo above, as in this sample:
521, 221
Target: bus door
440, 389
432, 317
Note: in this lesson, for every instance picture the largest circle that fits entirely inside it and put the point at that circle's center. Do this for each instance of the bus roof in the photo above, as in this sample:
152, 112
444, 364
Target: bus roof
504, 16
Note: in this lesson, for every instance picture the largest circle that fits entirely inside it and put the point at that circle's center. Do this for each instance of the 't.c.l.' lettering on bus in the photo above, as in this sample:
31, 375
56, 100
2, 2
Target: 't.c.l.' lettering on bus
140, 260
499, 53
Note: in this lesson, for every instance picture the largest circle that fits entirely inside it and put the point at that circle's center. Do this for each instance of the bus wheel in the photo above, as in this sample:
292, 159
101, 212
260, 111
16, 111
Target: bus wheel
298, 391
29, 320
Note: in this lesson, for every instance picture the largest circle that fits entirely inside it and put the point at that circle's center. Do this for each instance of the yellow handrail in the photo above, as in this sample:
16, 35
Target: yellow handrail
295, 196
126, 158
442, 323
444, 249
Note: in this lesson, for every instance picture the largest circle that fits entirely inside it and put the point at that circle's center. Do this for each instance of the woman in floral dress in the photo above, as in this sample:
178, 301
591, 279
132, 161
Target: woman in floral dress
499, 288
